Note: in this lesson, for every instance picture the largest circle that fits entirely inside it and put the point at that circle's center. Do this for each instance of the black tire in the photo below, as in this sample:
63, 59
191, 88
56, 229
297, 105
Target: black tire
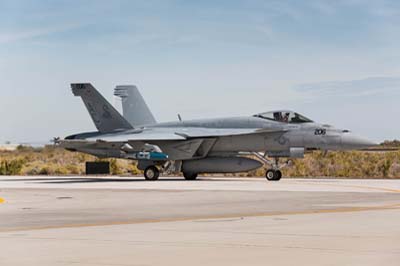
190, 176
278, 175
270, 175
273, 175
151, 173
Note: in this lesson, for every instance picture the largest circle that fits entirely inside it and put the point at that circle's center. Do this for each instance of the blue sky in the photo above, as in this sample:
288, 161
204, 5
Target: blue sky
337, 62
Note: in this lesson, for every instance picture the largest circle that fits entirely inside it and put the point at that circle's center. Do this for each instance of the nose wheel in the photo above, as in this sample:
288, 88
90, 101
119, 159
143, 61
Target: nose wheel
273, 175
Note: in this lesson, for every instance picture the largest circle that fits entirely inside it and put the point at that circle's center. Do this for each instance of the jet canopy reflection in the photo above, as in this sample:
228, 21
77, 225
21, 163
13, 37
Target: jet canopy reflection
284, 117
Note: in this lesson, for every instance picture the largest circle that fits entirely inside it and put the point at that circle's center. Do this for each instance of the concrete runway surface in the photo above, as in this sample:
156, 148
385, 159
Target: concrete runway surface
213, 221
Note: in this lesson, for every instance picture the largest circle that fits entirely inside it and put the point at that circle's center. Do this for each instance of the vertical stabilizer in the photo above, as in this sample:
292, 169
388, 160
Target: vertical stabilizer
103, 114
134, 107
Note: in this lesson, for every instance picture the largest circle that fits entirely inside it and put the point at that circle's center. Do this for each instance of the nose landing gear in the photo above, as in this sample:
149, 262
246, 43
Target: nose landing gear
273, 175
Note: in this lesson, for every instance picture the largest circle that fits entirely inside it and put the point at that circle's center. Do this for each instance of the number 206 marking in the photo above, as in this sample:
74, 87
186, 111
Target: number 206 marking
320, 131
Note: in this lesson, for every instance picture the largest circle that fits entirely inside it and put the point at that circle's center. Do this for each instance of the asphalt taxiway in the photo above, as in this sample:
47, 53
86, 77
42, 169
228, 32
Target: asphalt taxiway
212, 221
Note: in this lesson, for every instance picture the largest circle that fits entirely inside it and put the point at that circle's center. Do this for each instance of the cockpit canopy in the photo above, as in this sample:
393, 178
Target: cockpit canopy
284, 117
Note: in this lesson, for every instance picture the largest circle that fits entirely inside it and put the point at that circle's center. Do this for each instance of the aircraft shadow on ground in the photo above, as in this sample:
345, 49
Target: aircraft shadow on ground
66, 180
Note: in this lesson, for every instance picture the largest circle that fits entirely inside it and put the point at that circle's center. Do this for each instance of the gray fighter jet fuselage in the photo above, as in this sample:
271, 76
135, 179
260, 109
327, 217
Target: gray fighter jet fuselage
219, 145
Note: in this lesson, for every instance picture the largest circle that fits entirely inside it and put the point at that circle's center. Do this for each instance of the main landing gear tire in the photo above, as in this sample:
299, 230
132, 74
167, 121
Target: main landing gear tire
273, 175
190, 176
151, 173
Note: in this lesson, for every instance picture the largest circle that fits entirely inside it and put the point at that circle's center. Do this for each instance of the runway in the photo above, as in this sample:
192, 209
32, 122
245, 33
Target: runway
212, 221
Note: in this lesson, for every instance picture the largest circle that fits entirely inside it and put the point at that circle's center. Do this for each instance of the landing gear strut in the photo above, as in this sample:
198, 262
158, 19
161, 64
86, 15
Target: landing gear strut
274, 173
151, 173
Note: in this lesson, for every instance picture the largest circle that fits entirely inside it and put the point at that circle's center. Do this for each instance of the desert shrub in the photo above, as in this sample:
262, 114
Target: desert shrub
73, 170
44, 171
394, 170
384, 167
28, 157
132, 169
257, 172
33, 171
54, 160
11, 167
81, 157
61, 170
115, 168
23, 148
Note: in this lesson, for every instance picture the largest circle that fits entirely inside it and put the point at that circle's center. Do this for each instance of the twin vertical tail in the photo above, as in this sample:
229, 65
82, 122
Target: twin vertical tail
106, 118
134, 106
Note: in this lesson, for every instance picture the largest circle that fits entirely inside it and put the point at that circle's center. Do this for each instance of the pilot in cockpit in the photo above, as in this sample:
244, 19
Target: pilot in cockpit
286, 118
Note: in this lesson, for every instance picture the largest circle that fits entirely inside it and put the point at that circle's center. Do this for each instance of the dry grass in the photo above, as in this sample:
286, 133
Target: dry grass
355, 164
55, 161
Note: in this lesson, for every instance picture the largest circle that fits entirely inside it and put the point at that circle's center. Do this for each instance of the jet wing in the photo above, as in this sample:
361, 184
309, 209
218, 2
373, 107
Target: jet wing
184, 133
223, 132
146, 136
177, 143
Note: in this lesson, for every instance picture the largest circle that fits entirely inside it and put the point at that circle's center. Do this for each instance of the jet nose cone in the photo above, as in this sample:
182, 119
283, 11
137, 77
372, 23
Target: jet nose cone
350, 141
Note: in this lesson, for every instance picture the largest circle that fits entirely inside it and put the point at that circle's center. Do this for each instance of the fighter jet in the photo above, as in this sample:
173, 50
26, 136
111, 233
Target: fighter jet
192, 147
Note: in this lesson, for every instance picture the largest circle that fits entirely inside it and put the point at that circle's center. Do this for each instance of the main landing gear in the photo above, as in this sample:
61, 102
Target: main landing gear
190, 176
151, 173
